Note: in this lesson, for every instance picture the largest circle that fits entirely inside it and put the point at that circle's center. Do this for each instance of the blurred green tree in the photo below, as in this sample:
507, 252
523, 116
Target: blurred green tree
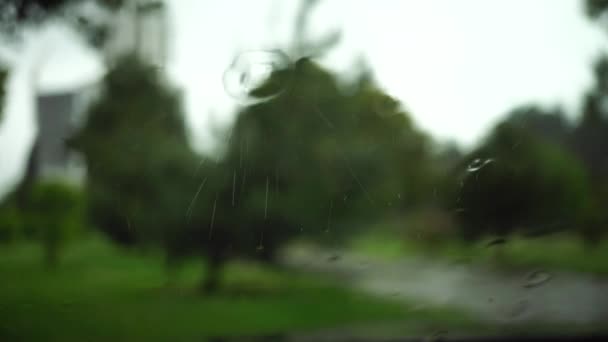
519, 181
590, 143
133, 135
322, 162
54, 216
11, 222
142, 183
314, 159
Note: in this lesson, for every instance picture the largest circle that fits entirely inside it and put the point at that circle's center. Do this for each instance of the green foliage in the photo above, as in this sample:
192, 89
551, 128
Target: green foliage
54, 215
144, 186
554, 252
114, 295
590, 143
316, 161
138, 157
11, 223
528, 184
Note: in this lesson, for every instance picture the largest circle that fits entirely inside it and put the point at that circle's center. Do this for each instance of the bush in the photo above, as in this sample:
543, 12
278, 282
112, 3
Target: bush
54, 215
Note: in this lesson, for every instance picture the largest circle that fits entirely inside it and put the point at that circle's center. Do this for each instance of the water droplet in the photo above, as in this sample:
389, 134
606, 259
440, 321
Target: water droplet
478, 163
259, 248
537, 278
257, 76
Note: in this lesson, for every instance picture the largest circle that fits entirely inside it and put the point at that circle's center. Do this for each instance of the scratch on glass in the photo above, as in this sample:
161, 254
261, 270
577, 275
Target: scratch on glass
212, 217
331, 204
233, 186
189, 210
352, 173
266, 200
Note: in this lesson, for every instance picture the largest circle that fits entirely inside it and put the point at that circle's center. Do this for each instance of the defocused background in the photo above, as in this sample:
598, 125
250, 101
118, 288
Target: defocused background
300, 170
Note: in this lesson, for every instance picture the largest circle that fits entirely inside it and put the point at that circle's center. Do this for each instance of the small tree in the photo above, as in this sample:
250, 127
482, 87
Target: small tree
54, 215
142, 184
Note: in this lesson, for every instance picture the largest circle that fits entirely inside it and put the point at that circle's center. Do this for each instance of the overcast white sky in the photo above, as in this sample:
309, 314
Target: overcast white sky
457, 65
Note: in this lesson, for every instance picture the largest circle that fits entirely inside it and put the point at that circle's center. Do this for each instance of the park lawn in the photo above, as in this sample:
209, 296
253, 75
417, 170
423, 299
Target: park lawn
560, 252
99, 292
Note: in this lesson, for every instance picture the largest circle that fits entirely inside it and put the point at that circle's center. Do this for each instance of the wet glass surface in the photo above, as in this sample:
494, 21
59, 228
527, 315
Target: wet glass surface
303, 170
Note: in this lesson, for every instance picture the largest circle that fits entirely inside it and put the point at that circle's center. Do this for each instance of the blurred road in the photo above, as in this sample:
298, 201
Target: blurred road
490, 295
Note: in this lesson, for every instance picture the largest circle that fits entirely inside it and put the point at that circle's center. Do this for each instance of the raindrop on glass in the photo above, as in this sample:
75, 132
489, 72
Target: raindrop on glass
257, 76
536, 278
478, 163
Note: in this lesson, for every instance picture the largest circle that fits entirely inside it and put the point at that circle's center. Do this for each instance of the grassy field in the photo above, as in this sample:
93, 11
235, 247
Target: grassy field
101, 293
555, 252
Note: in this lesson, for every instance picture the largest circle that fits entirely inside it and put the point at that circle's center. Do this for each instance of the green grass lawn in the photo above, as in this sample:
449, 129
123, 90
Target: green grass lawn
555, 252
102, 293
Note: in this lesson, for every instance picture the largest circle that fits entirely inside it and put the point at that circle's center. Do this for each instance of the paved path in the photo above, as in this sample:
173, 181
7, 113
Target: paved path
562, 298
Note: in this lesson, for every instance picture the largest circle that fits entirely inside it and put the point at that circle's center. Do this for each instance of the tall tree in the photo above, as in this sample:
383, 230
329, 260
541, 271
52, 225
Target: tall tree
145, 185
